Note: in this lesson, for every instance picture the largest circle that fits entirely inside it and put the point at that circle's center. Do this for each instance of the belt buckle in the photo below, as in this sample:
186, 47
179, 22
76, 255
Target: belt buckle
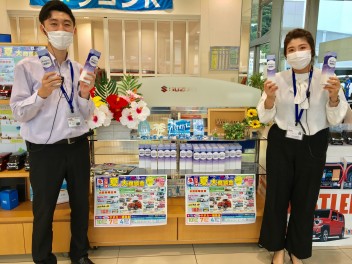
70, 141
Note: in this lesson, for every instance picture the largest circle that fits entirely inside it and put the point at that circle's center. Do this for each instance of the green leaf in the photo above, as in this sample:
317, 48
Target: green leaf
128, 83
256, 80
105, 87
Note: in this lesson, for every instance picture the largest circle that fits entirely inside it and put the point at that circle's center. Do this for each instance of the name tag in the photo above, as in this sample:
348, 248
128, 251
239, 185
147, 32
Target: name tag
74, 121
294, 132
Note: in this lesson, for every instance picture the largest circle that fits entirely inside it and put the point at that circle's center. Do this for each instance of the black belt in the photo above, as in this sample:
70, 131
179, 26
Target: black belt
72, 140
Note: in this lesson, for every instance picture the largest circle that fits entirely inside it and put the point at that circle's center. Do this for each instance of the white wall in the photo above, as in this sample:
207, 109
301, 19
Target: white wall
220, 26
4, 19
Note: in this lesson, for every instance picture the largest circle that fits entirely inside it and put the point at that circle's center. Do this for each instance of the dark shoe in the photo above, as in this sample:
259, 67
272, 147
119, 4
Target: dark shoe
84, 260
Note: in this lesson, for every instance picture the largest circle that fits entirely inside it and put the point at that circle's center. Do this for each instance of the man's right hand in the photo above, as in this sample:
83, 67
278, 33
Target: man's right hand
50, 82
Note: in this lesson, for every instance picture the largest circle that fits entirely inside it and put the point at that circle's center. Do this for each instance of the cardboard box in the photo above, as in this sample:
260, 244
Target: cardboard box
9, 199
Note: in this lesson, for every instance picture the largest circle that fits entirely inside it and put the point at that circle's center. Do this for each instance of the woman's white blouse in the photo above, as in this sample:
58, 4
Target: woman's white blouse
317, 116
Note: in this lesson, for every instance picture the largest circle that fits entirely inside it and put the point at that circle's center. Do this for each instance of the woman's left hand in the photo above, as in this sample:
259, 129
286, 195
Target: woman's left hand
85, 87
333, 86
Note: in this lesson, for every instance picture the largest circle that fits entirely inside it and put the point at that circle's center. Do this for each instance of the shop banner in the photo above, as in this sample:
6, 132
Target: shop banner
133, 200
220, 199
333, 218
128, 5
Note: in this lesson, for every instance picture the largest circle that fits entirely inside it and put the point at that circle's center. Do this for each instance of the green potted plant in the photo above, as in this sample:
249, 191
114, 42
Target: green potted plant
256, 80
234, 130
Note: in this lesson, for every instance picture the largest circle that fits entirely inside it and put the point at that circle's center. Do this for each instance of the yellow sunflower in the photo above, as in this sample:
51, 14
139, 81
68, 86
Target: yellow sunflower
252, 113
255, 124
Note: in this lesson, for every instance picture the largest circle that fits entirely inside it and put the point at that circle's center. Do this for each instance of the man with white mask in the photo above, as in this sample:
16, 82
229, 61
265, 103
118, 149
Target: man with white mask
53, 108
302, 110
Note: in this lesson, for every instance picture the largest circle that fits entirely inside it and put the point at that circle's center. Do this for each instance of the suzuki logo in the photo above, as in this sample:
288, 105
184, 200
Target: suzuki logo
164, 89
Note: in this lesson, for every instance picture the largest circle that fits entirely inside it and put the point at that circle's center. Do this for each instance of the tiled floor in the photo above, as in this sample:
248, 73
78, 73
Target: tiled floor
195, 254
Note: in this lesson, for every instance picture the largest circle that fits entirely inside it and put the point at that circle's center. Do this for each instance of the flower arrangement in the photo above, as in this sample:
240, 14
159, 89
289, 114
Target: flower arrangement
237, 130
252, 119
120, 101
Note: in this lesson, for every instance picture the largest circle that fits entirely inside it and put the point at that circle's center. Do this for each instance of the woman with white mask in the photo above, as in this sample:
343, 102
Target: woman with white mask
302, 110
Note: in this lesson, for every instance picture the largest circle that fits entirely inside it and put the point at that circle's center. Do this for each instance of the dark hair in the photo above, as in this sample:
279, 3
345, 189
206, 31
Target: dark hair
300, 33
54, 5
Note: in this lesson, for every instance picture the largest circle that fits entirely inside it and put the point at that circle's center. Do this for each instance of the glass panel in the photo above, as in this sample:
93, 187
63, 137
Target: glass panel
27, 30
254, 20
193, 47
164, 47
266, 18
115, 46
251, 61
264, 50
131, 45
13, 25
148, 47
293, 16
179, 47
333, 26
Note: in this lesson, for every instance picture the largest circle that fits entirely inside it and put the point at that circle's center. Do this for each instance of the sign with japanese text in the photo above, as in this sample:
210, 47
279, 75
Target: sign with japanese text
133, 200
10, 56
220, 199
127, 5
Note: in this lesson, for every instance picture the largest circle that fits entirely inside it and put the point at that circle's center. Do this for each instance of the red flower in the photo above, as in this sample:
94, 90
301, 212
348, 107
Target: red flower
92, 92
116, 105
117, 115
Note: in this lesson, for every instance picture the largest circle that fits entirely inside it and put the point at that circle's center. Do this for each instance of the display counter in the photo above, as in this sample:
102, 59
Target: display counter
16, 227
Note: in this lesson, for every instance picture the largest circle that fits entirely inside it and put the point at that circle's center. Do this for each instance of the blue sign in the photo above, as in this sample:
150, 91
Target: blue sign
128, 5
179, 128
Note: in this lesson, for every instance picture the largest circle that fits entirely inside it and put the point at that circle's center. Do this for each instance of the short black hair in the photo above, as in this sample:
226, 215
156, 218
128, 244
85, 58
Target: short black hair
54, 5
300, 33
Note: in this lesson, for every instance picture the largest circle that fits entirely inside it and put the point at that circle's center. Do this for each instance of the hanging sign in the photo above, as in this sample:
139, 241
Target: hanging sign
128, 5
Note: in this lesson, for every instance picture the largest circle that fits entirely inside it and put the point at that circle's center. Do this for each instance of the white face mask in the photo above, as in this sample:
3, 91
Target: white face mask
299, 59
61, 40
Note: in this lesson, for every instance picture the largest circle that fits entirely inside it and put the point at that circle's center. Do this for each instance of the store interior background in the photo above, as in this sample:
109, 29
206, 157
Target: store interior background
258, 27
177, 42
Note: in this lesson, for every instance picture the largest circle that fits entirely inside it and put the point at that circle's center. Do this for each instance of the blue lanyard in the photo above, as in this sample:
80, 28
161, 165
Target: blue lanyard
299, 115
69, 99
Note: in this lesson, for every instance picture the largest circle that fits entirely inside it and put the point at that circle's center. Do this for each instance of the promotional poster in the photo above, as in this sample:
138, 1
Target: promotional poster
133, 200
220, 199
333, 218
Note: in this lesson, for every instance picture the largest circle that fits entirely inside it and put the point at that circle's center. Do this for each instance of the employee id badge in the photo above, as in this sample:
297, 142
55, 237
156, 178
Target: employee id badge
73, 119
294, 132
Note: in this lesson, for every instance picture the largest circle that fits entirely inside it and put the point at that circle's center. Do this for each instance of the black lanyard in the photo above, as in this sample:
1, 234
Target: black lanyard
298, 116
69, 99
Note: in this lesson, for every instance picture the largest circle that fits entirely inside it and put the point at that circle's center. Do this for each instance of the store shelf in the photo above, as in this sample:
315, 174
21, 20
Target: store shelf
14, 174
247, 168
23, 213
4, 101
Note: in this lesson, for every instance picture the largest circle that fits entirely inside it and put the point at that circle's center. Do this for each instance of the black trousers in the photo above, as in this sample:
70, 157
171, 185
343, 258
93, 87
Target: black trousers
294, 171
49, 165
